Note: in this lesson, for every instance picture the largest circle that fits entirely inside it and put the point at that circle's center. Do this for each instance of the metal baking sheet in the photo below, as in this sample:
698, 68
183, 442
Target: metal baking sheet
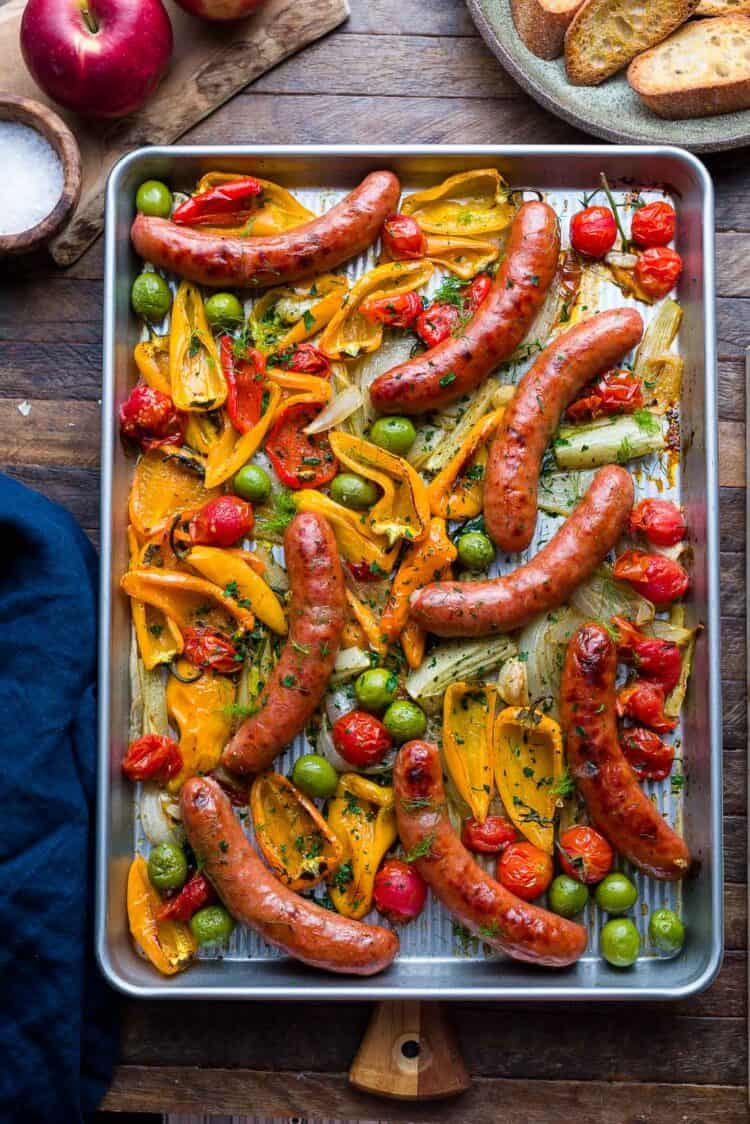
435, 961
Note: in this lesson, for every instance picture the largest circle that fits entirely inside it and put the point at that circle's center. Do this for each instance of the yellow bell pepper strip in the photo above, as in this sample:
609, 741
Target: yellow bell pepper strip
297, 843
363, 817
152, 360
169, 945
464, 257
239, 583
413, 642
249, 557
276, 210
282, 318
159, 639
234, 450
195, 373
403, 510
440, 491
467, 498
183, 598
201, 710
528, 761
468, 204
307, 388
468, 722
356, 540
348, 333
368, 622
423, 562
165, 484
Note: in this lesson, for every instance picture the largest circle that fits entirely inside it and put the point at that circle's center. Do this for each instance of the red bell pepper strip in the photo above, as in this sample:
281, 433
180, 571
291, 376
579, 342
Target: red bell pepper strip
196, 893
299, 459
225, 205
245, 378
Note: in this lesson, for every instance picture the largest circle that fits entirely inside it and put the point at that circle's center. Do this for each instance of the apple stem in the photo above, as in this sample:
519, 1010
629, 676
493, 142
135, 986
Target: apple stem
88, 18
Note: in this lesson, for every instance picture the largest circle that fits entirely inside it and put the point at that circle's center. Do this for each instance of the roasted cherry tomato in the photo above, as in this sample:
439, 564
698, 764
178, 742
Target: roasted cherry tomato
299, 459
654, 224
152, 758
525, 870
149, 417
490, 837
207, 648
585, 854
616, 392
659, 661
399, 311
229, 204
305, 357
403, 238
361, 738
657, 270
399, 891
650, 757
593, 231
653, 576
245, 376
440, 319
196, 893
222, 522
661, 521
644, 703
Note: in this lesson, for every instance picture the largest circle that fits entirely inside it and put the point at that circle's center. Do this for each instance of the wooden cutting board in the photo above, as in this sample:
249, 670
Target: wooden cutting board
211, 62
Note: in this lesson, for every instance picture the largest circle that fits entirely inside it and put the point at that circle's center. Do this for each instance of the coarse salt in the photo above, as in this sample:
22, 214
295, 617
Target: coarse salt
32, 177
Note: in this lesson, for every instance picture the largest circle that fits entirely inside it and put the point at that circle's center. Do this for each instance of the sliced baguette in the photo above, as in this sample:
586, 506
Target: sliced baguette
700, 71
606, 34
723, 8
542, 24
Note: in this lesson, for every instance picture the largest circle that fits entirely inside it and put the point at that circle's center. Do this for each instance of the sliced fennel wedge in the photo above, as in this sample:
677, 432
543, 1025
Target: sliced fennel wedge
617, 441
560, 492
454, 662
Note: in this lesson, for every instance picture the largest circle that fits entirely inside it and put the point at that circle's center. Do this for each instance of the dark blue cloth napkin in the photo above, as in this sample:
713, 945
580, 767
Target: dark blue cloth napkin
57, 1016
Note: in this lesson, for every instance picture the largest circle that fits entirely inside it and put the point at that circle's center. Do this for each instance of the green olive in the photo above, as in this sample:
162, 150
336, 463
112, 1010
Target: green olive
404, 720
167, 867
224, 311
315, 776
615, 893
376, 689
150, 297
353, 491
620, 942
566, 896
212, 923
396, 435
252, 483
475, 550
154, 198
666, 931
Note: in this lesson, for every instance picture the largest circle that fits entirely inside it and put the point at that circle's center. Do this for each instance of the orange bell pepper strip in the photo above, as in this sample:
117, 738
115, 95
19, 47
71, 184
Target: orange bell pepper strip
152, 360
367, 621
159, 639
179, 596
413, 642
440, 490
169, 945
423, 562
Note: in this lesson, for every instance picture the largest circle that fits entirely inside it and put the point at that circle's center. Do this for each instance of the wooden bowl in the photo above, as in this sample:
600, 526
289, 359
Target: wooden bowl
53, 128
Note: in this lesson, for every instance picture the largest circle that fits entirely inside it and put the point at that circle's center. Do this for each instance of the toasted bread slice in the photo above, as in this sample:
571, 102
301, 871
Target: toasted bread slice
723, 8
701, 70
542, 24
606, 34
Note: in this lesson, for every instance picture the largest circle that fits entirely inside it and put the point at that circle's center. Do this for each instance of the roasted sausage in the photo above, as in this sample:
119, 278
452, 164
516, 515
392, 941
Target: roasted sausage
459, 364
574, 359
255, 897
486, 908
315, 247
502, 604
317, 614
615, 800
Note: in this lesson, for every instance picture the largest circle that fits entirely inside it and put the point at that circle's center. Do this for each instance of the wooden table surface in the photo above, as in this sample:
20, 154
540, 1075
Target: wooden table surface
406, 71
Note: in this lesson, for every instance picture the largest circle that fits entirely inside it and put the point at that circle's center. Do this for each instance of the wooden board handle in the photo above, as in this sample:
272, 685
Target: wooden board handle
409, 1052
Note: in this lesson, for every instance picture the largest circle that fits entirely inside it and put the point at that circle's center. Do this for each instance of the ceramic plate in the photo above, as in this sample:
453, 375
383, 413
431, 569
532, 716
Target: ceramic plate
611, 110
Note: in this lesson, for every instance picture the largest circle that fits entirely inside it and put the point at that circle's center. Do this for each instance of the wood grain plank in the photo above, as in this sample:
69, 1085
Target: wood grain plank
733, 648
409, 17
156, 1088
735, 781
732, 454
732, 518
735, 915
734, 699
732, 274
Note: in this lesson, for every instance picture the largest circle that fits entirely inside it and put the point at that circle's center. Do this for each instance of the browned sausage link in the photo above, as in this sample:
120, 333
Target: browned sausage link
486, 908
256, 898
564, 367
316, 620
315, 247
459, 364
502, 604
616, 803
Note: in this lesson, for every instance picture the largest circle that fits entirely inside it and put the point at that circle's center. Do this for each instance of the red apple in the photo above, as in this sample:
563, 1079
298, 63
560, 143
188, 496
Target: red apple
221, 9
101, 58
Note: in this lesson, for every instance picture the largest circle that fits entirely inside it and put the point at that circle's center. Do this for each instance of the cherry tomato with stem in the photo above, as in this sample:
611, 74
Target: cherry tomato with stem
643, 702
585, 854
399, 891
403, 238
222, 522
152, 757
655, 577
650, 757
593, 231
399, 311
196, 893
205, 647
661, 521
654, 224
525, 870
149, 417
361, 738
657, 270
299, 459
490, 837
